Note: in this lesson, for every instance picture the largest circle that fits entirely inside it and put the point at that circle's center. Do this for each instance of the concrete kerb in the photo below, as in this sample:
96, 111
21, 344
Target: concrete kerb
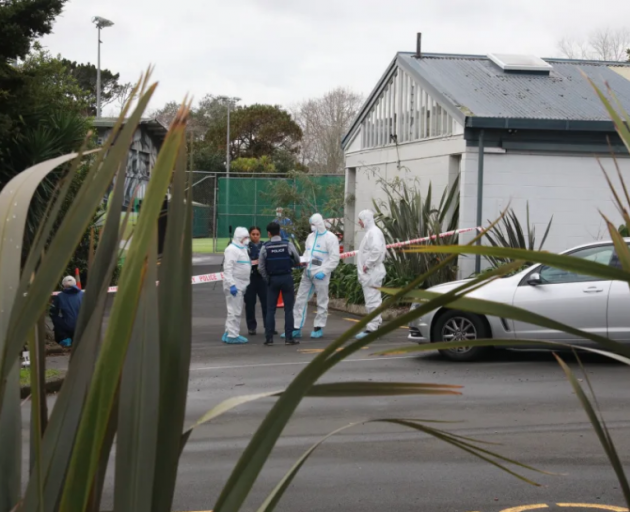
359, 310
53, 385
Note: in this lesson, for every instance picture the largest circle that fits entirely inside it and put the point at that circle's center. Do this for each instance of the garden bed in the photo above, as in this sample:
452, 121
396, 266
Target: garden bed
54, 380
359, 310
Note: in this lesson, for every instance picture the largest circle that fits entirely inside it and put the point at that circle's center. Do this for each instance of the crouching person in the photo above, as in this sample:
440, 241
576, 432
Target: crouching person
64, 311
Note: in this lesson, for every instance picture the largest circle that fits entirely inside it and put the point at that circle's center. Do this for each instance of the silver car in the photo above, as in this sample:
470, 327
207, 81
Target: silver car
584, 302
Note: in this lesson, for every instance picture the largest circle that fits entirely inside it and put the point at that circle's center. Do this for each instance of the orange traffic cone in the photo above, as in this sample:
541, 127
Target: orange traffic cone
280, 301
77, 277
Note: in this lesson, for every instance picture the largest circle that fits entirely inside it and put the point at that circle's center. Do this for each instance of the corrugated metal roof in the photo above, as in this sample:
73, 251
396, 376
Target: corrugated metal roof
478, 87
153, 126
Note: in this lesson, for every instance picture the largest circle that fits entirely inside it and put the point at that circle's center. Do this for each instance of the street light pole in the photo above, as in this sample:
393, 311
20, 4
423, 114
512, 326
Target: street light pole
227, 157
100, 24
98, 74
227, 169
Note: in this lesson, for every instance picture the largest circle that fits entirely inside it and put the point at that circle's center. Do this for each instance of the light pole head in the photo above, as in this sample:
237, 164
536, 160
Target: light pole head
101, 22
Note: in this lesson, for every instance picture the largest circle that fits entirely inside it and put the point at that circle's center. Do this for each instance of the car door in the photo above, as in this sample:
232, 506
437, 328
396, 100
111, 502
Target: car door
619, 308
576, 300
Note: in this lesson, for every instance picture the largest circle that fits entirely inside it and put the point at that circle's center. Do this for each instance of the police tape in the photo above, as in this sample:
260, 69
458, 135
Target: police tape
217, 277
416, 240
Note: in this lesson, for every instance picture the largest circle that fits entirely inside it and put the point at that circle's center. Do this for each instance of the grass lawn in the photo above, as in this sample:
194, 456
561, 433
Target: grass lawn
204, 245
25, 375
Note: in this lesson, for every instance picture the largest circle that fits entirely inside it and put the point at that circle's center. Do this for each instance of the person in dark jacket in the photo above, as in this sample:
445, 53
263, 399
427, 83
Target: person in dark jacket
257, 286
276, 262
64, 311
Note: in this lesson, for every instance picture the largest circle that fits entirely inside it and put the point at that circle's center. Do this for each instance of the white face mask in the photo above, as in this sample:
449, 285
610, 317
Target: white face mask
245, 241
313, 228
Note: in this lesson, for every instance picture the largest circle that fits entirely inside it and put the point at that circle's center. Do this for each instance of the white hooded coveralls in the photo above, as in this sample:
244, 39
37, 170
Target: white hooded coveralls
322, 255
237, 269
371, 255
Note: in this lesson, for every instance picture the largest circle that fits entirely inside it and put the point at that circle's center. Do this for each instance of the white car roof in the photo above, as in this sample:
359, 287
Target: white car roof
592, 244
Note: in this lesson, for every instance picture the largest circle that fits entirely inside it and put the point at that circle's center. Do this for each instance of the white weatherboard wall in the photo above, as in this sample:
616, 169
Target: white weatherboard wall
571, 188
421, 163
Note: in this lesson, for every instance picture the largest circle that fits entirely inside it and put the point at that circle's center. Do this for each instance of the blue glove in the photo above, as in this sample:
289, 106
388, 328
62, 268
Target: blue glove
233, 290
320, 275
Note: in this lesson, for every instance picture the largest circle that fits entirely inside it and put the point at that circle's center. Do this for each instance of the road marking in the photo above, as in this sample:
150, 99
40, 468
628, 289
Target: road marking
589, 505
538, 506
319, 350
260, 365
526, 507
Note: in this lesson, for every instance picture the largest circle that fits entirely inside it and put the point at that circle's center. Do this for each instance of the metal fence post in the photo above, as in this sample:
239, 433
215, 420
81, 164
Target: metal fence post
214, 215
255, 202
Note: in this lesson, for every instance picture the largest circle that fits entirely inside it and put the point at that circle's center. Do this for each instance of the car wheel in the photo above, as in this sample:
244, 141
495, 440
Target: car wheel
460, 326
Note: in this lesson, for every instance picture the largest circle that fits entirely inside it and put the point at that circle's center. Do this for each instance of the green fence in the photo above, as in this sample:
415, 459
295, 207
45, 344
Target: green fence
246, 202
201, 221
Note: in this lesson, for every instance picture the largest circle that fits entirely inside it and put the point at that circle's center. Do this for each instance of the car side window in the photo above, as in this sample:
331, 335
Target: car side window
615, 262
601, 254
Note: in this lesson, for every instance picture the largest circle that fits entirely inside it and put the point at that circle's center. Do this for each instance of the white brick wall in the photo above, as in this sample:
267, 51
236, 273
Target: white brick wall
422, 163
571, 188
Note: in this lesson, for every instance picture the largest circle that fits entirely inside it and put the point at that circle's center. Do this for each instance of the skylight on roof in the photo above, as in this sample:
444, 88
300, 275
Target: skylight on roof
513, 62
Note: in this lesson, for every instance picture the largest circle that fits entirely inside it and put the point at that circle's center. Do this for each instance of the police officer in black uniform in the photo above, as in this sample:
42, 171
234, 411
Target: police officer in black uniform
257, 285
276, 261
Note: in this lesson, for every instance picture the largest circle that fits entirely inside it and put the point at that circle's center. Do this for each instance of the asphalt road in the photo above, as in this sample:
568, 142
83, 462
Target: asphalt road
521, 400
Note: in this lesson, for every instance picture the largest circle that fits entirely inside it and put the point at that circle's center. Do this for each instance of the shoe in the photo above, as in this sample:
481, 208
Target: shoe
317, 333
296, 334
67, 343
275, 332
268, 343
252, 333
291, 342
224, 338
239, 340
362, 335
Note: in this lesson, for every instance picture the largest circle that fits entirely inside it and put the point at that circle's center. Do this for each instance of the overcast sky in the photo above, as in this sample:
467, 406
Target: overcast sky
284, 51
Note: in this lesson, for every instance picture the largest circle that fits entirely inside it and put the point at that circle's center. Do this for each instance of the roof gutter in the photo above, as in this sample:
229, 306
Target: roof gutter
538, 124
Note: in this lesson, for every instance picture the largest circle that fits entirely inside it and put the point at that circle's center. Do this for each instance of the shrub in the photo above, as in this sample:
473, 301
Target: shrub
510, 233
405, 215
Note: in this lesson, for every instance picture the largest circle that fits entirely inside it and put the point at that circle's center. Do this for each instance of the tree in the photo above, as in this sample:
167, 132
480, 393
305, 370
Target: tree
48, 121
324, 121
209, 111
49, 118
50, 83
21, 21
264, 164
111, 89
256, 131
264, 138
603, 44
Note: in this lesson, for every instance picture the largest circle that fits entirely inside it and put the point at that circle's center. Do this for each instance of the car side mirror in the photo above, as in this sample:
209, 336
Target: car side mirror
534, 280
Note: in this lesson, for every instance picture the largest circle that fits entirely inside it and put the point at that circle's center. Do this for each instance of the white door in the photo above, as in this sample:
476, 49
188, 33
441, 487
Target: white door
576, 300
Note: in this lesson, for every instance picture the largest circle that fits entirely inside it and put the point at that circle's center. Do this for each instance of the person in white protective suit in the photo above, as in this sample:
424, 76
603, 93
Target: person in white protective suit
370, 267
322, 257
237, 269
